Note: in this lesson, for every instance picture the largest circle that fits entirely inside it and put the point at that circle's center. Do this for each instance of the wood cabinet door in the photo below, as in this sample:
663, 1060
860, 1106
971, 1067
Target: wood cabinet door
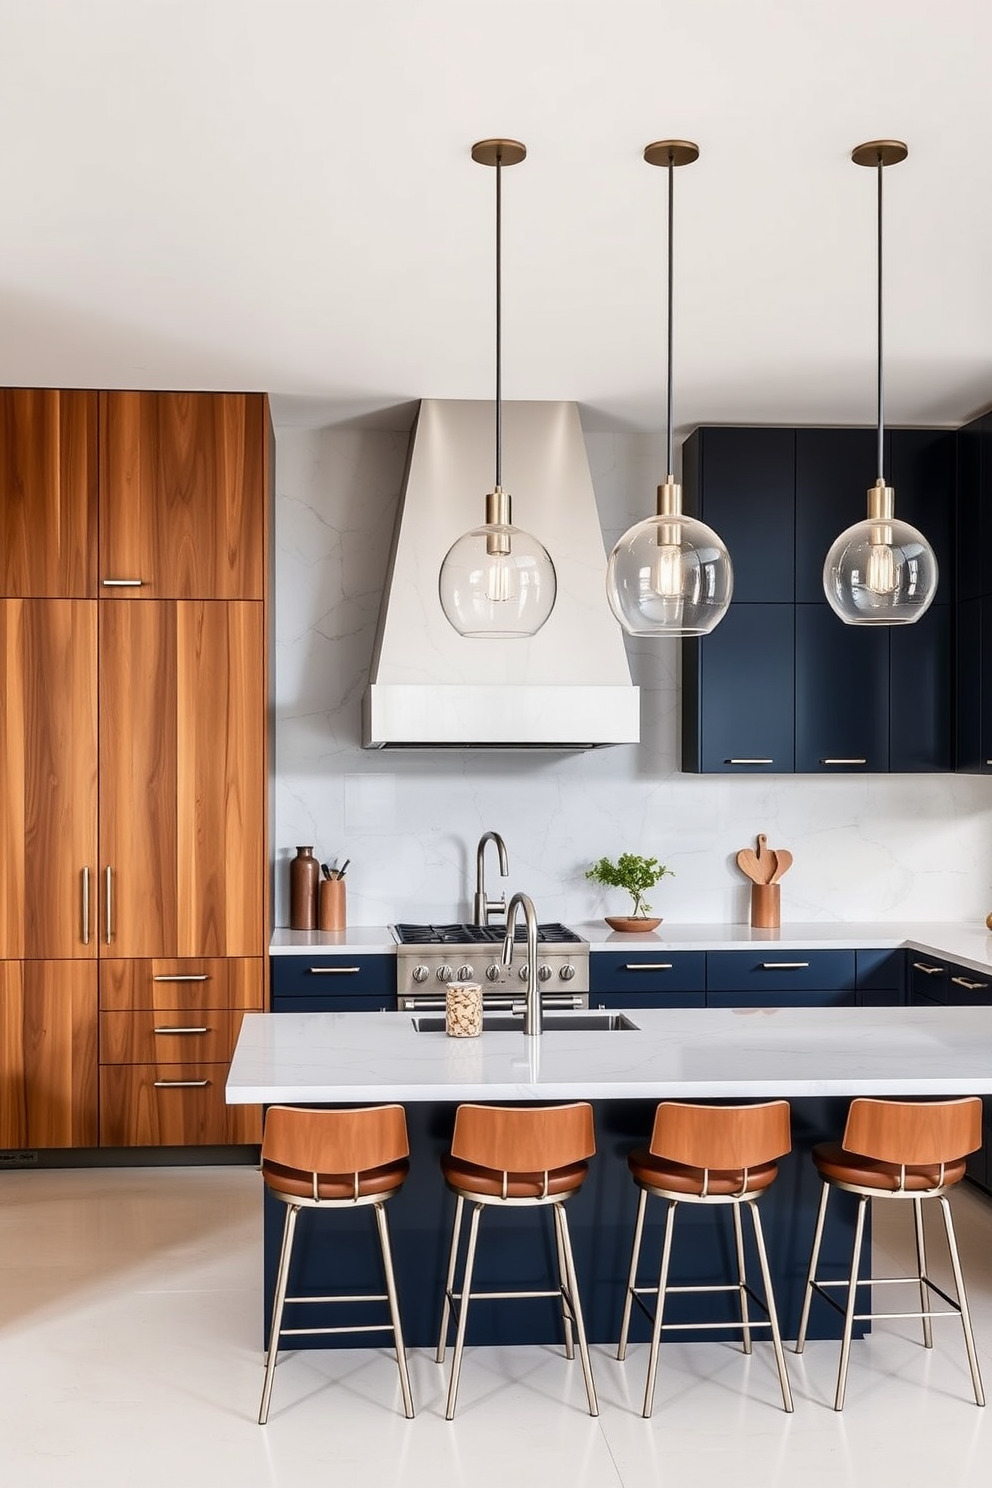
48, 1054
48, 788
182, 495
182, 779
48, 487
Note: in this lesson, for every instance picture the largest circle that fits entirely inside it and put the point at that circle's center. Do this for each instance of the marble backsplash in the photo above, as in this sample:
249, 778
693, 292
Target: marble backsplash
876, 847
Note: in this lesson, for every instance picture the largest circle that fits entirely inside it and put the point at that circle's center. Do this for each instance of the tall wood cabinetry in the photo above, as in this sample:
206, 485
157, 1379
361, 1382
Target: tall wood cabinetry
133, 798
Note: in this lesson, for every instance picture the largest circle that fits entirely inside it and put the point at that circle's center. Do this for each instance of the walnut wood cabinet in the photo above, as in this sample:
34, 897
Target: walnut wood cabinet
134, 740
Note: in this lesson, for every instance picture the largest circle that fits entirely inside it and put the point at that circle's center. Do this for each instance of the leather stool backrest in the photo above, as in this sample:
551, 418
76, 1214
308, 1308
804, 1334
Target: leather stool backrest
914, 1132
523, 1139
335, 1141
730, 1137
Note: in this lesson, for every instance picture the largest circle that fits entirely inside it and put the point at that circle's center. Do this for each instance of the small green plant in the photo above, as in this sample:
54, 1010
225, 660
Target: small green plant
632, 873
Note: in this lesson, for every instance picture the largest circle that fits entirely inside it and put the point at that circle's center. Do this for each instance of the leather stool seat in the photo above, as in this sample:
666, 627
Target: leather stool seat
472, 1179
656, 1172
836, 1164
336, 1186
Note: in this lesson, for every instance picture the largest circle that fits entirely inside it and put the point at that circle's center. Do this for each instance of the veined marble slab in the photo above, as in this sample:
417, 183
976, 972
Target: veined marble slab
328, 1058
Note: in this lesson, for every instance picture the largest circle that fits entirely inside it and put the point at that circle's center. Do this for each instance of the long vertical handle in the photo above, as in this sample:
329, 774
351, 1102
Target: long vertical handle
109, 898
85, 906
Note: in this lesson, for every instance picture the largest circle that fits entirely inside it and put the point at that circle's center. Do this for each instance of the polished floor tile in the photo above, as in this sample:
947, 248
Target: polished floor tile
130, 1358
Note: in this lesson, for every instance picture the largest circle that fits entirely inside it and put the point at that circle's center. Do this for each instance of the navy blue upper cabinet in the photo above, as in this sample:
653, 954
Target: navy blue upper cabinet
922, 469
834, 468
738, 699
741, 482
842, 694
974, 569
973, 748
920, 668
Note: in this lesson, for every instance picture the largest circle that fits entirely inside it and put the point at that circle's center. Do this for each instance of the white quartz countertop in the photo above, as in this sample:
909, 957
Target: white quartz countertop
965, 943
326, 1058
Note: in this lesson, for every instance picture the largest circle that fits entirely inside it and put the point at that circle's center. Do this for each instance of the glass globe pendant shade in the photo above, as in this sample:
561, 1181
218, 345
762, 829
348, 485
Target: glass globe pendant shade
670, 574
880, 571
497, 582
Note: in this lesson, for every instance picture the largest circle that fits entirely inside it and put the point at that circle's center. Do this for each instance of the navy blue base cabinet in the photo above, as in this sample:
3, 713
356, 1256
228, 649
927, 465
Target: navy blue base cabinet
338, 1252
333, 984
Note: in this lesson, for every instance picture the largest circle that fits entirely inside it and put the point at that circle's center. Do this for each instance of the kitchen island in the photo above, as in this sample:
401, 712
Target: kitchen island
817, 1058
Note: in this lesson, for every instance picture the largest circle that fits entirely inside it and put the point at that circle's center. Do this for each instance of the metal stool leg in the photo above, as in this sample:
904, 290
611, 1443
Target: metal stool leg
449, 1281
921, 1267
561, 1224
783, 1377
563, 1283
466, 1292
742, 1276
852, 1297
394, 1308
969, 1337
632, 1277
814, 1256
666, 1255
278, 1303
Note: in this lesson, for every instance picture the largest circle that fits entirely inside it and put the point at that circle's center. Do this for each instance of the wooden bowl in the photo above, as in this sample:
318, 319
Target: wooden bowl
631, 924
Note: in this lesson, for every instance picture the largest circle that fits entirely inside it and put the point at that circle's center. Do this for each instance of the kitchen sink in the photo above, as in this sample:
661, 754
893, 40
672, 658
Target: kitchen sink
553, 1023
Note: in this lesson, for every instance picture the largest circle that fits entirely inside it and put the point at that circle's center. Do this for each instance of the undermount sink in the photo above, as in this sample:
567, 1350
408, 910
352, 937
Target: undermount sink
553, 1023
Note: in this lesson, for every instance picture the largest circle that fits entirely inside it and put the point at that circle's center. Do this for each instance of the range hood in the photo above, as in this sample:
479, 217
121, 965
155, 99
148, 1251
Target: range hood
568, 687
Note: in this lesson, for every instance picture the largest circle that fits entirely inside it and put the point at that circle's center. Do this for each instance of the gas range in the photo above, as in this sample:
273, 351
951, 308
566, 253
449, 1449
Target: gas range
429, 956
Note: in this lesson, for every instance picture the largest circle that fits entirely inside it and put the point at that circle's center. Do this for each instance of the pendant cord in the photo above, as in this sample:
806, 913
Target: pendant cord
499, 320
671, 239
881, 400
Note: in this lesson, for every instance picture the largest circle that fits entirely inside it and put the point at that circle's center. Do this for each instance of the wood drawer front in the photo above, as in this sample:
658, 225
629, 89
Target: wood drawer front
136, 1112
647, 971
188, 983
770, 971
168, 1037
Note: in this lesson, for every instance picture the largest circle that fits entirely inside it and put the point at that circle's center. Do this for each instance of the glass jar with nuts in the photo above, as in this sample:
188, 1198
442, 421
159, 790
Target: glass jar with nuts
463, 1010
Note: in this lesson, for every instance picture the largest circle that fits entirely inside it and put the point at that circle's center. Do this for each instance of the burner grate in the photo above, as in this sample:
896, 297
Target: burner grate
551, 934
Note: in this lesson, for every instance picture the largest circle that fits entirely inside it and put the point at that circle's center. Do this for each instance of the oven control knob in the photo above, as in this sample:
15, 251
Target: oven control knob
523, 972
465, 973
492, 972
567, 972
421, 973
444, 973
544, 973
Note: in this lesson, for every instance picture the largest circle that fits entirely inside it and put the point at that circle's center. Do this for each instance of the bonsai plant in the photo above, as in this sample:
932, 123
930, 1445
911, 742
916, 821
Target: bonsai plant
636, 875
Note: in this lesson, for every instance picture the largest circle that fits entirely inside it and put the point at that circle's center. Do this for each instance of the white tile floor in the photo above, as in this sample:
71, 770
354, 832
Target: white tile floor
130, 1358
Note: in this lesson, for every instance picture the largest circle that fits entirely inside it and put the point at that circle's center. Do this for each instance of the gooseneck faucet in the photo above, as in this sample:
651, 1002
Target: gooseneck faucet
533, 1020
484, 906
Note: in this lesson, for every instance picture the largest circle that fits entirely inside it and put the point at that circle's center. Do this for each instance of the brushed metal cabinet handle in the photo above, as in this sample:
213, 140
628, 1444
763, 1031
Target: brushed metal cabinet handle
109, 902
166, 1029
122, 583
335, 970
784, 965
188, 976
843, 762
181, 1084
85, 907
648, 966
749, 762
969, 986
929, 970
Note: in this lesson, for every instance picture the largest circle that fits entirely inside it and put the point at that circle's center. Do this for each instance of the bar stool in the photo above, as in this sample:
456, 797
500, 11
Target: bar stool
314, 1159
897, 1150
712, 1155
516, 1157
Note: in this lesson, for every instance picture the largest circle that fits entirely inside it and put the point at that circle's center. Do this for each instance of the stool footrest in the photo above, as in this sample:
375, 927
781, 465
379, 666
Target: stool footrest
356, 1328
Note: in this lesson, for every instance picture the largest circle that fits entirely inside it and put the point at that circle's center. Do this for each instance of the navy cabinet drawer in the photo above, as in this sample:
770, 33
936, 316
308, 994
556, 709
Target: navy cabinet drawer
332, 978
880, 971
632, 1000
770, 971
784, 997
928, 977
636, 973
344, 1002
966, 987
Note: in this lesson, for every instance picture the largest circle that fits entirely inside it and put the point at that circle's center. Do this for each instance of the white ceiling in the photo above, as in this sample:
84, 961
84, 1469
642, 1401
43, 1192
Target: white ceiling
278, 194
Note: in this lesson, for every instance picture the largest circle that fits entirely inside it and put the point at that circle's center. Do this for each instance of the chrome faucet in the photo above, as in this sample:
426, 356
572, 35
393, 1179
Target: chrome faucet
533, 1021
484, 906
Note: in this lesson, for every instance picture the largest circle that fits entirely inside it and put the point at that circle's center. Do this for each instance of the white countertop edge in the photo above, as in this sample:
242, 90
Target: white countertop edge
356, 940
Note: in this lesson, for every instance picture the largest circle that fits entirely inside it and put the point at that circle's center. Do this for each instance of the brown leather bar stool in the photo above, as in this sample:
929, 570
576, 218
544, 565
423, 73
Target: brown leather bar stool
713, 1155
334, 1160
517, 1157
891, 1149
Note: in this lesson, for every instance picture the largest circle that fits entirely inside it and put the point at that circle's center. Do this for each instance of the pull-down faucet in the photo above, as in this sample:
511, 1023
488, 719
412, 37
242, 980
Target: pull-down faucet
484, 906
533, 1021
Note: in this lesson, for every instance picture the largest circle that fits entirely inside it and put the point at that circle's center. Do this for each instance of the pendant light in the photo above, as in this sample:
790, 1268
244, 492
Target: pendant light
497, 582
669, 575
880, 571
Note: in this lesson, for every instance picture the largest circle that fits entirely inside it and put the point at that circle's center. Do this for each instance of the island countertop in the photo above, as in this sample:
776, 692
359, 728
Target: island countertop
328, 1058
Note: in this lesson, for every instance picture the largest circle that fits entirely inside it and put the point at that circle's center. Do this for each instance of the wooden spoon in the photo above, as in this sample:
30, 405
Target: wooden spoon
784, 863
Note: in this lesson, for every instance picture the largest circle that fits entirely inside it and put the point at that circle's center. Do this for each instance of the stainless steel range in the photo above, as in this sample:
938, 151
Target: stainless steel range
428, 956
